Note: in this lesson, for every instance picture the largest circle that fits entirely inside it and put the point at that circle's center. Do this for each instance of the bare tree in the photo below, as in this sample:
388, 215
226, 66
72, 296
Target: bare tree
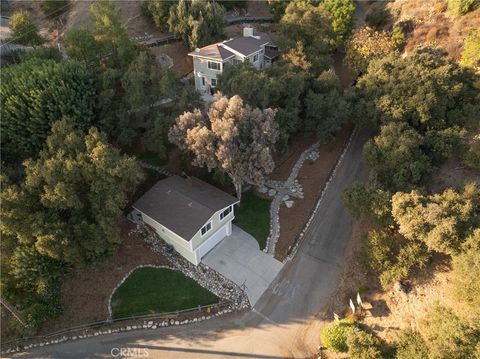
233, 137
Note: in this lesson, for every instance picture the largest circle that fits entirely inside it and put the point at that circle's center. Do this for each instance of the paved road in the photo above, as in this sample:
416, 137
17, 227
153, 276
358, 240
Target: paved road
282, 322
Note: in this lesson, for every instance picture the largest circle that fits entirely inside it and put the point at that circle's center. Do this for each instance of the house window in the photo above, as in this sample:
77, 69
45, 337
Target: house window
203, 81
237, 61
206, 228
214, 65
214, 82
225, 213
255, 58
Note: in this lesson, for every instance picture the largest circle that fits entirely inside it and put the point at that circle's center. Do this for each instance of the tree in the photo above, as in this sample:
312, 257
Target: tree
43, 53
397, 157
447, 335
310, 25
464, 286
198, 22
334, 336
326, 110
342, 14
277, 8
158, 11
24, 31
364, 46
442, 221
363, 345
36, 93
461, 7
425, 90
470, 56
398, 36
68, 206
53, 8
472, 157
81, 45
234, 138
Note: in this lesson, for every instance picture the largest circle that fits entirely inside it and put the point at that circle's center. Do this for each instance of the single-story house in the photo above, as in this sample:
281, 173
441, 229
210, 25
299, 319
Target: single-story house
208, 62
189, 214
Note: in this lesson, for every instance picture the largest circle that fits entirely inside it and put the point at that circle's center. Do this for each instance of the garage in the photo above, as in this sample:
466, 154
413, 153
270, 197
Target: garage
214, 239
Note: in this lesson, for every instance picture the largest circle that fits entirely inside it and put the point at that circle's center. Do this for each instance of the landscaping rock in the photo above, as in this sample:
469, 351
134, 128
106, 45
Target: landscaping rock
262, 189
272, 192
289, 204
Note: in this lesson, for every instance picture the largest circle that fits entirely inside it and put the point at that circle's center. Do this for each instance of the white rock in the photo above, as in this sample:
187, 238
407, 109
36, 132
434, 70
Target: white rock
289, 204
150, 323
262, 189
286, 197
177, 322
154, 326
272, 192
128, 327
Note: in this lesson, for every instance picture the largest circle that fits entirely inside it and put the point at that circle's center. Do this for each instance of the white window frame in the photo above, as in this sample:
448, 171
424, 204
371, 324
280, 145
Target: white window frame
204, 81
212, 82
223, 214
207, 227
210, 63
256, 57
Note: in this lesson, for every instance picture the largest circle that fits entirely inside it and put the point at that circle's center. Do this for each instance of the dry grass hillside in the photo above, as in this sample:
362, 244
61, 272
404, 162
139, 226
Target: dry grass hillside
434, 25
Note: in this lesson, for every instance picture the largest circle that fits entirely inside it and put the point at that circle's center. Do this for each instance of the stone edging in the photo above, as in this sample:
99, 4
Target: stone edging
322, 195
277, 201
125, 278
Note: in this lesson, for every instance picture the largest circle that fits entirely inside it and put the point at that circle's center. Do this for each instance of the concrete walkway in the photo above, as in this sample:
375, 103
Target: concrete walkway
239, 258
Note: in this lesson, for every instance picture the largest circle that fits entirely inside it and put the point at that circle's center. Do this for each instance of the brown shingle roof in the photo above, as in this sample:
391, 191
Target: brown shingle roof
214, 51
183, 205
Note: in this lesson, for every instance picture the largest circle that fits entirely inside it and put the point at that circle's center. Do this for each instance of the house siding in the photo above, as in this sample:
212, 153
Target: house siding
200, 66
198, 239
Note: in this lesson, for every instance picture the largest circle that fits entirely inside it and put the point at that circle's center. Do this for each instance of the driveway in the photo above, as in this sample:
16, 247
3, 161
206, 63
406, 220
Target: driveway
239, 259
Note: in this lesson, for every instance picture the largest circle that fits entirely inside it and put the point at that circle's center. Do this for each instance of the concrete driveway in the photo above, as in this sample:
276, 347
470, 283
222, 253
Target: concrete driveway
239, 258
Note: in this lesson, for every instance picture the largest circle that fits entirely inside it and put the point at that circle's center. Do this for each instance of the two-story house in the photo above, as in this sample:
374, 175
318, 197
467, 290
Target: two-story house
209, 61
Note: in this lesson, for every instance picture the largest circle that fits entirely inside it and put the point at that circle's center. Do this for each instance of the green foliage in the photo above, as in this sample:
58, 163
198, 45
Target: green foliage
410, 345
36, 93
369, 200
397, 157
43, 53
449, 336
334, 336
472, 157
197, 23
277, 8
470, 56
461, 7
398, 36
158, 11
81, 45
363, 345
342, 14
233, 4
426, 90
72, 197
53, 8
464, 286
442, 221
24, 31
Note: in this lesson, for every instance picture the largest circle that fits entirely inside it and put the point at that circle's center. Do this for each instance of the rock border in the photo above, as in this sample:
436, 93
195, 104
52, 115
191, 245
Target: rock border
339, 161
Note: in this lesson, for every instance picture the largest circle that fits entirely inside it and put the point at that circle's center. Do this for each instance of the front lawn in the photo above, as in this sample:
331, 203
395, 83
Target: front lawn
158, 290
252, 215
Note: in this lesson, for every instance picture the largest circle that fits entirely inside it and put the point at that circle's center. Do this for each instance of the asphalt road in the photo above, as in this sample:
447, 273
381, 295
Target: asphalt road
282, 322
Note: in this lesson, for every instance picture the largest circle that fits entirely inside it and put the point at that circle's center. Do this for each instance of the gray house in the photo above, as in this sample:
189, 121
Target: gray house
189, 214
209, 61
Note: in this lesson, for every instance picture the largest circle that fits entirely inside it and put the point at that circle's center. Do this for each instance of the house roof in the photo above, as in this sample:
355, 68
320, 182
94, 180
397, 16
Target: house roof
245, 45
183, 205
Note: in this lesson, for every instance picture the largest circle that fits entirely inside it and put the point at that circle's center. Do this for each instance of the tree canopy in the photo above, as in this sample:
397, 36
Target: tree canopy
24, 31
233, 137
470, 56
36, 93
69, 203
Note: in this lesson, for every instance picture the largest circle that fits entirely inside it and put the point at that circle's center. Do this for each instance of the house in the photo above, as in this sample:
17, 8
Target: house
189, 214
209, 61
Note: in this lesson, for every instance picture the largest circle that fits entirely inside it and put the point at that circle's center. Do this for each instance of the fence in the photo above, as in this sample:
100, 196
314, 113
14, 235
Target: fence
211, 308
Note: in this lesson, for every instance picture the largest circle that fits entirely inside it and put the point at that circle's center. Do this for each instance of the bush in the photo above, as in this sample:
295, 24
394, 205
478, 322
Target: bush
334, 336
410, 345
461, 7
471, 51
472, 158
377, 16
53, 8
44, 53
398, 36
363, 345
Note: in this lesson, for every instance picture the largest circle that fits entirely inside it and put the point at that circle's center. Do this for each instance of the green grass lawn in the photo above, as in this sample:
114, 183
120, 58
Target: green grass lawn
153, 159
157, 290
253, 216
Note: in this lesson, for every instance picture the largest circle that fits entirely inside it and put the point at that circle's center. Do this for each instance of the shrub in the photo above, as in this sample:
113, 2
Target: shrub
471, 51
398, 36
411, 345
53, 8
24, 31
363, 345
461, 7
334, 336
472, 157
377, 16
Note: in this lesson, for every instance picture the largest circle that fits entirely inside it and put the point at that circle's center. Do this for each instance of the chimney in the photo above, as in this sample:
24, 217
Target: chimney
248, 32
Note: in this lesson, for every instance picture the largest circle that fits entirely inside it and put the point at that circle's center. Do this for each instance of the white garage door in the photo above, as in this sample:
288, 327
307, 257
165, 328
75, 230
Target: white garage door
211, 242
